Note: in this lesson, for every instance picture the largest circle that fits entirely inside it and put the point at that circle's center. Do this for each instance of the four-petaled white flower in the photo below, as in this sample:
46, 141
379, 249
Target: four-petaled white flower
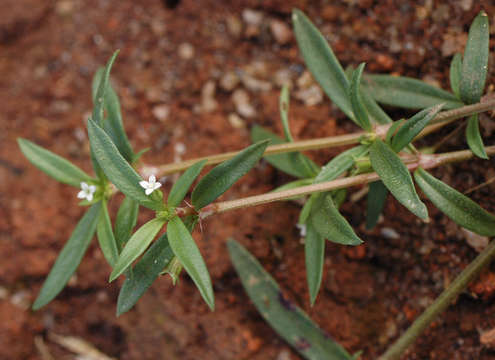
86, 192
150, 185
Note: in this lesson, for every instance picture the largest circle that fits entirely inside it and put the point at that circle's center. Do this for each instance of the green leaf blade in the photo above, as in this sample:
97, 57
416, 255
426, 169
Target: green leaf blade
341, 163
413, 126
116, 168
396, 177
475, 60
181, 186
136, 245
187, 252
101, 90
455, 74
298, 166
53, 165
69, 258
224, 175
326, 219
105, 236
286, 318
360, 112
314, 252
321, 62
144, 273
126, 220
375, 202
407, 92
473, 137
455, 205
113, 124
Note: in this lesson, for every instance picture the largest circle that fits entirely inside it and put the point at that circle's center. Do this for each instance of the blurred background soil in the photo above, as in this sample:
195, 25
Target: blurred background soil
193, 77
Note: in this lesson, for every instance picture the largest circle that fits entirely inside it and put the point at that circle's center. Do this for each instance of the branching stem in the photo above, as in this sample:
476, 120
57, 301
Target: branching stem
438, 122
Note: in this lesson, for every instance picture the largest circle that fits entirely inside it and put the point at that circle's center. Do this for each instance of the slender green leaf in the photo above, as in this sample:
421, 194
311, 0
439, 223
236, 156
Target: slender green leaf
224, 175
407, 92
375, 112
136, 245
413, 127
377, 195
306, 210
284, 112
321, 62
455, 74
113, 124
358, 107
188, 254
392, 130
69, 258
118, 170
105, 236
341, 163
314, 251
126, 221
53, 165
455, 205
329, 223
287, 163
181, 186
396, 177
144, 273
473, 137
286, 318
475, 60
101, 90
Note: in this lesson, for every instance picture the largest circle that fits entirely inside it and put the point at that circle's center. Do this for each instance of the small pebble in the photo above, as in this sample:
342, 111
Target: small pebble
229, 81
255, 85
281, 32
477, 242
305, 80
185, 51
208, 102
236, 121
389, 233
161, 112
310, 96
240, 98
252, 17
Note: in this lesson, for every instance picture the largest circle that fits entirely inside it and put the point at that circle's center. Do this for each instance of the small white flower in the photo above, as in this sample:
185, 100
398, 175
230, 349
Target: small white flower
150, 185
86, 192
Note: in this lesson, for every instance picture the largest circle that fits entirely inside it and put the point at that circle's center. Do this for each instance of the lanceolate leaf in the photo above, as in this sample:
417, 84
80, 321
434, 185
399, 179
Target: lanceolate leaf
101, 90
113, 123
360, 113
408, 93
455, 74
136, 245
224, 175
341, 163
118, 170
69, 258
327, 221
475, 60
377, 194
413, 127
284, 112
375, 112
144, 273
396, 177
188, 254
52, 164
455, 205
148, 268
314, 251
126, 221
473, 137
321, 62
181, 186
105, 236
286, 318
287, 163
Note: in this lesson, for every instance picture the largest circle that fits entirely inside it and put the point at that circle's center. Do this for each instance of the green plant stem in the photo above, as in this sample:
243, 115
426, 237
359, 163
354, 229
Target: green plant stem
440, 304
438, 122
425, 161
